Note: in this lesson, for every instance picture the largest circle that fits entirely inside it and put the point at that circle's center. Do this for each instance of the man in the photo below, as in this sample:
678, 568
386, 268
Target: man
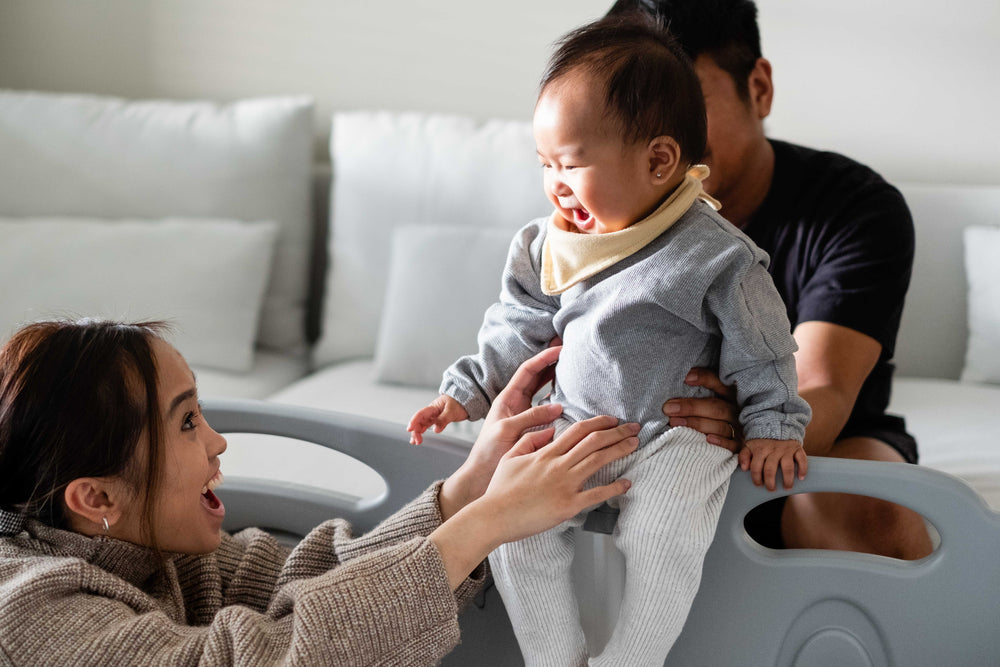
841, 245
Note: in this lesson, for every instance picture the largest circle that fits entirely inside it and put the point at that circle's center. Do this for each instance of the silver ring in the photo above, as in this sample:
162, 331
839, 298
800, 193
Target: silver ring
104, 520
733, 429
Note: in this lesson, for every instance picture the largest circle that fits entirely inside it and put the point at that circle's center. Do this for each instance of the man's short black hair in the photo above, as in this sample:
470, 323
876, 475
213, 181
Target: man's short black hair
651, 88
726, 30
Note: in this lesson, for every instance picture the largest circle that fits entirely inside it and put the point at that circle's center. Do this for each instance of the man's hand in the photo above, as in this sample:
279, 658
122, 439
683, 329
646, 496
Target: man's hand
717, 417
763, 457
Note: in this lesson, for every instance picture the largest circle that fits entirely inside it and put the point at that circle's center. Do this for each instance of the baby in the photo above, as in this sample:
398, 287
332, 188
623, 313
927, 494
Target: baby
642, 280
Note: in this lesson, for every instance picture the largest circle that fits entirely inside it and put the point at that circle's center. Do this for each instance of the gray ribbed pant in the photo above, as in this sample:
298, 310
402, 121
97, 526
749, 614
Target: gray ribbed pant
667, 522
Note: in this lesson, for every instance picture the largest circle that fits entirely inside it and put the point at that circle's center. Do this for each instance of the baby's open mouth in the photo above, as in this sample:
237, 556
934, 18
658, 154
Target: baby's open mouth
581, 215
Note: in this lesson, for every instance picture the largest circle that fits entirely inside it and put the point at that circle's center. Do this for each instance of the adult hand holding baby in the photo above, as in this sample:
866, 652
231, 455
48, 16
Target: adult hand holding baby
514, 484
716, 416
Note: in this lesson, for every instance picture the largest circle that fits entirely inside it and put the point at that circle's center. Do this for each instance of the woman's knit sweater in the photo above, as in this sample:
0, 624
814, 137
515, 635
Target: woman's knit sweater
379, 599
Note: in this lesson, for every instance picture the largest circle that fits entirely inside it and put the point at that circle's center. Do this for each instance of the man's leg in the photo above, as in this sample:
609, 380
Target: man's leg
851, 522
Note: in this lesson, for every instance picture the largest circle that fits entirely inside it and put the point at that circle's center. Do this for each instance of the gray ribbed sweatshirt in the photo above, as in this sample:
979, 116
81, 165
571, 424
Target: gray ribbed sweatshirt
697, 295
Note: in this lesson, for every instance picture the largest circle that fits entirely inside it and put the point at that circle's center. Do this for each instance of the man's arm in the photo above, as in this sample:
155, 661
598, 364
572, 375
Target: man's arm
832, 363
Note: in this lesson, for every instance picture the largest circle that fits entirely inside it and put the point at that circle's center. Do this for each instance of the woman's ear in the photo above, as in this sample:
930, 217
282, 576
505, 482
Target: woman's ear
664, 159
93, 503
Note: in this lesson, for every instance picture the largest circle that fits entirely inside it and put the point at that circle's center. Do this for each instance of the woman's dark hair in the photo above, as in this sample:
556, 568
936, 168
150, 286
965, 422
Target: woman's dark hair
651, 88
726, 30
75, 400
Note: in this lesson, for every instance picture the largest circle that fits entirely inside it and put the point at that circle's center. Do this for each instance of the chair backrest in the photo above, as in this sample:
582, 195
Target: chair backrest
292, 510
756, 606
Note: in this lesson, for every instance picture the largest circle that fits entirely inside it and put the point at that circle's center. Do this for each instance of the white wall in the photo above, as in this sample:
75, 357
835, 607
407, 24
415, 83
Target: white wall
909, 86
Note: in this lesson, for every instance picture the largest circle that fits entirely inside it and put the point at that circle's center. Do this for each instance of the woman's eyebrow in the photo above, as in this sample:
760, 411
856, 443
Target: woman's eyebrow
180, 398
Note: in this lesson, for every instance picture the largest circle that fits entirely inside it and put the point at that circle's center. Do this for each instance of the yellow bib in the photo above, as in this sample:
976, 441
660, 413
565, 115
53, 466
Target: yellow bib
569, 257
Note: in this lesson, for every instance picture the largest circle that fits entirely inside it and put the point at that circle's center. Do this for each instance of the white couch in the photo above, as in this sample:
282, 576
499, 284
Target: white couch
366, 301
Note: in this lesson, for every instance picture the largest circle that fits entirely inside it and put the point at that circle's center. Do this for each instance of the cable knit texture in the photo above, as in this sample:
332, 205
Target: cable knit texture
379, 599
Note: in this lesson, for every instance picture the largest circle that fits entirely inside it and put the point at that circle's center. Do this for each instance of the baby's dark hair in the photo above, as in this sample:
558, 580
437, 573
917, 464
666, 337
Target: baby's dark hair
726, 30
651, 88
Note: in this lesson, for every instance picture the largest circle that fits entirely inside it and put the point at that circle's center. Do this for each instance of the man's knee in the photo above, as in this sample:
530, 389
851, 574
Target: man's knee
853, 522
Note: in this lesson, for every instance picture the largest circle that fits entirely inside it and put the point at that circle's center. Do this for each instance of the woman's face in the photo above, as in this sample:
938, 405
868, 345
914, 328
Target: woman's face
188, 516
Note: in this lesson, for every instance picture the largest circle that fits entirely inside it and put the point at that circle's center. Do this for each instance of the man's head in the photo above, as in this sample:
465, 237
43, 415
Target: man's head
725, 30
722, 38
619, 97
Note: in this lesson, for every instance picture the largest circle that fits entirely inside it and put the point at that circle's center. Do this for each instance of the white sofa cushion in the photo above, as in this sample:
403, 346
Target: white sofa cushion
982, 269
392, 169
351, 387
207, 277
955, 427
441, 281
105, 157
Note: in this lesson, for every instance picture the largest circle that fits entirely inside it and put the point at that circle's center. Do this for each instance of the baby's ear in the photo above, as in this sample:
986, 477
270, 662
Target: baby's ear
664, 158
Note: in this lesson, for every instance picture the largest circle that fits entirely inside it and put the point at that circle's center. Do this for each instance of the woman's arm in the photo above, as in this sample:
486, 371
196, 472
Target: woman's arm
390, 607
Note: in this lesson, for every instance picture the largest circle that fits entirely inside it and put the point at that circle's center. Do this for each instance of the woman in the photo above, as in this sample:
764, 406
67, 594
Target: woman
113, 551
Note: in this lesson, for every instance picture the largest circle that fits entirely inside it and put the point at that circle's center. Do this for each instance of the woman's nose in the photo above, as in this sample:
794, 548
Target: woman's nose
218, 443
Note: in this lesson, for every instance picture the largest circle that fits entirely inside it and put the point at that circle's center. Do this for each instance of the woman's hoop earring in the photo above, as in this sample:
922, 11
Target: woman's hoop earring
104, 520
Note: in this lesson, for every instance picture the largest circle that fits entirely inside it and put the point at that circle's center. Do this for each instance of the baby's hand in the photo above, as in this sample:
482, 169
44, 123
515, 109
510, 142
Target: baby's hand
443, 411
762, 458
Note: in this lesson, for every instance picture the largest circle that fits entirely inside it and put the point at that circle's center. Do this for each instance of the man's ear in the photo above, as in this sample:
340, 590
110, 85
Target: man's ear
90, 501
664, 159
761, 88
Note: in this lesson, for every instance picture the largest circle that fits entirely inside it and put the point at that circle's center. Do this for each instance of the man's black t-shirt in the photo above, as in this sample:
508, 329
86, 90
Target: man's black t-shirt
841, 245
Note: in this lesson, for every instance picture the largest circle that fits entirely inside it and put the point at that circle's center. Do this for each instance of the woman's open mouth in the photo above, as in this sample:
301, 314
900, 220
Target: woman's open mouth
209, 500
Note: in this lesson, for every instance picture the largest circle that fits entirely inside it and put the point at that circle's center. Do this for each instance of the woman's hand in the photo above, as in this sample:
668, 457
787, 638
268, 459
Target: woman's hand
537, 485
510, 416
717, 417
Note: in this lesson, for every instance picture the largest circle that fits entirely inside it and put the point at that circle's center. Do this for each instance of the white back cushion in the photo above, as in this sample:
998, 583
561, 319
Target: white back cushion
206, 277
982, 267
436, 270
391, 169
109, 158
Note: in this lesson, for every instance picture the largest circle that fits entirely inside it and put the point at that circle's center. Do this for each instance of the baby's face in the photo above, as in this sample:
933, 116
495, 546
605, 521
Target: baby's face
597, 183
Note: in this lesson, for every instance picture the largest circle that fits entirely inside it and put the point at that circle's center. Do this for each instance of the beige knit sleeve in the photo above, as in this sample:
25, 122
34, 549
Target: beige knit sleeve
250, 568
391, 606
418, 518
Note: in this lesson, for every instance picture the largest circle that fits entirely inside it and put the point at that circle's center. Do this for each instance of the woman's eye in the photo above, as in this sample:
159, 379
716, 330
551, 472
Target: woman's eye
188, 423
